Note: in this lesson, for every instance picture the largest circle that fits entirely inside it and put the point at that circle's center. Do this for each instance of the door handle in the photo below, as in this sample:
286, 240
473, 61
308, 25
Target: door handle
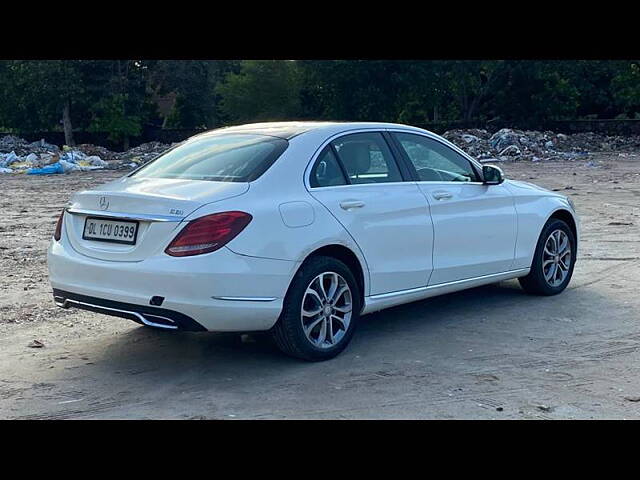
349, 204
442, 195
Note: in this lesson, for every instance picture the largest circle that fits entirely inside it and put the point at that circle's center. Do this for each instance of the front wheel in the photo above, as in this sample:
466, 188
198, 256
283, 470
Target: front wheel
320, 311
553, 261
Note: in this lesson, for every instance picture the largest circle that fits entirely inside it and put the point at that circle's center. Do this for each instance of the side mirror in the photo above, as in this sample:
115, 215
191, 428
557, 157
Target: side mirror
492, 175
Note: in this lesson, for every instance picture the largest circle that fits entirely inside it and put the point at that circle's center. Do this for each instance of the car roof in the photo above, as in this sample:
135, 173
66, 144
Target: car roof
288, 130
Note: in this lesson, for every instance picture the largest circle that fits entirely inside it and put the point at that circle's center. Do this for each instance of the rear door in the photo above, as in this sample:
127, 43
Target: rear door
475, 225
357, 178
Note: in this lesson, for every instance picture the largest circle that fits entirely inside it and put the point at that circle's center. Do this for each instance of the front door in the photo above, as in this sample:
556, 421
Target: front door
475, 225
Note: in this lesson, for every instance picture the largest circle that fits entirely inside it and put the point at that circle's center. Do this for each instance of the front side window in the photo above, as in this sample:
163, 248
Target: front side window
367, 158
222, 158
326, 171
435, 162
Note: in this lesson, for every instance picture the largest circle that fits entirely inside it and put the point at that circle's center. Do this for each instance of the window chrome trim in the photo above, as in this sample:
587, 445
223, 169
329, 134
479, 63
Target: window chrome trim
450, 182
408, 182
408, 130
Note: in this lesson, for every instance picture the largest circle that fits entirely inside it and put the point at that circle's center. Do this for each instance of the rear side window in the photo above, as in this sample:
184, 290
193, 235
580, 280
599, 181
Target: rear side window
222, 158
367, 158
327, 172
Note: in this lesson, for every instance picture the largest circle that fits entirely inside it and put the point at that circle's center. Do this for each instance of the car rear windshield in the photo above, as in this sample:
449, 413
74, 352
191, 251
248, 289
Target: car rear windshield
221, 158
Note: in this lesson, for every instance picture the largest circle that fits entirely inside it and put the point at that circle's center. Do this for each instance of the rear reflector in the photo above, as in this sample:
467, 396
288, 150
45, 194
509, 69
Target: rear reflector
208, 234
57, 234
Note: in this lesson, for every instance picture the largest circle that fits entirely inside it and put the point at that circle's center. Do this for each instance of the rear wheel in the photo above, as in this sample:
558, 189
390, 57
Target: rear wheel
553, 262
320, 311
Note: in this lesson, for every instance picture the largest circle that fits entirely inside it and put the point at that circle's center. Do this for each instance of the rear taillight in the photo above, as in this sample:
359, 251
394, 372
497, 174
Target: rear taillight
58, 232
207, 234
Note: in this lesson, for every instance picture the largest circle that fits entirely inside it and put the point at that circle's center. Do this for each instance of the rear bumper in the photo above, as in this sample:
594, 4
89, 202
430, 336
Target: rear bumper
221, 291
150, 316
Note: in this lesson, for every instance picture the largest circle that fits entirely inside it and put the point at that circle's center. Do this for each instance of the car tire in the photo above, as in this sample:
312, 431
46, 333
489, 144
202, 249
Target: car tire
550, 274
314, 324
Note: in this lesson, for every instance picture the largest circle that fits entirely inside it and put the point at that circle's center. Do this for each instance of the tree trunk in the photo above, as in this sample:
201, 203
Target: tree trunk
472, 108
464, 102
66, 124
126, 143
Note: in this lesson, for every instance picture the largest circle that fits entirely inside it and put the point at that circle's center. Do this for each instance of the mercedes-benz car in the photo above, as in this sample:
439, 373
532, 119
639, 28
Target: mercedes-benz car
300, 229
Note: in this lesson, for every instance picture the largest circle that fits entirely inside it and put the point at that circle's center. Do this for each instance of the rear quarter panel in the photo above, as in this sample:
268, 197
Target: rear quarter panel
288, 223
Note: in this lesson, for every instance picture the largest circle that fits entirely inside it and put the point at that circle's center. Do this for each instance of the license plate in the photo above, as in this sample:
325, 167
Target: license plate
115, 231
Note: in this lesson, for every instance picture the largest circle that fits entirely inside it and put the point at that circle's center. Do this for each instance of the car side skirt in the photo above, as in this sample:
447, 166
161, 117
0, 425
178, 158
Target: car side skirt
375, 303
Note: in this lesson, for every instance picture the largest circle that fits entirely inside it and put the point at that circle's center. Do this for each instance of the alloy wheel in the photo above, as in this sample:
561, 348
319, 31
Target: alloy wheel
556, 258
326, 310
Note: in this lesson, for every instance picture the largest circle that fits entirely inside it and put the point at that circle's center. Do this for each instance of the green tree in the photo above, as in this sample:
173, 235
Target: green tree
626, 89
528, 93
110, 116
194, 84
38, 94
263, 90
351, 89
471, 84
593, 82
124, 103
118, 96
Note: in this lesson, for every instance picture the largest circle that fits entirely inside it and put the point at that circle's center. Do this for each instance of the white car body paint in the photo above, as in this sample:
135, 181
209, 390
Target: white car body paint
409, 244
485, 245
393, 224
534, 205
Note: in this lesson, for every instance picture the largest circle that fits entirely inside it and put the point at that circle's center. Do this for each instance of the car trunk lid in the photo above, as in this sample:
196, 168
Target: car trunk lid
156, 205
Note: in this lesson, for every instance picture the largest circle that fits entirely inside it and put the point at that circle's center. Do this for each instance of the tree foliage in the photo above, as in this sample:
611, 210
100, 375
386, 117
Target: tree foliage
121, 97
262, 90
33, 93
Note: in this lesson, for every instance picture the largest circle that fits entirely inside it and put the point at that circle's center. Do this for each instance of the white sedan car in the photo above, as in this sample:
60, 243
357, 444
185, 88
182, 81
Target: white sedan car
300, 228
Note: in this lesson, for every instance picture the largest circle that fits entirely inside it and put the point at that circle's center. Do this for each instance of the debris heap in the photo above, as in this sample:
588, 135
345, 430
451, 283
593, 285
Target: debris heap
509, 144
38, 158
42, 158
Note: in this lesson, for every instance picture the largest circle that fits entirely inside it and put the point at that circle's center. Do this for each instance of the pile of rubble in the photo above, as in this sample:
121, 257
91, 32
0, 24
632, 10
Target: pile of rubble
508, 144
142, 153
42, 158
39, 158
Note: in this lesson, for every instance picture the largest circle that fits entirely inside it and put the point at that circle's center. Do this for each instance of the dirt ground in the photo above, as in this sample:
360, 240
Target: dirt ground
488, 353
